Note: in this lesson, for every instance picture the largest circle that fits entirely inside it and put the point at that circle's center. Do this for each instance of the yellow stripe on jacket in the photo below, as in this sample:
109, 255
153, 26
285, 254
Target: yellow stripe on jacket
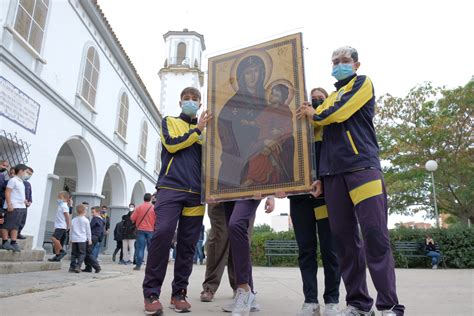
342, 104
177, 134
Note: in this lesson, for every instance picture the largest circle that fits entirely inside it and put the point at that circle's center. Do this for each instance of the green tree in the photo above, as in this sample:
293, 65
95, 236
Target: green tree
429, 123
262, 228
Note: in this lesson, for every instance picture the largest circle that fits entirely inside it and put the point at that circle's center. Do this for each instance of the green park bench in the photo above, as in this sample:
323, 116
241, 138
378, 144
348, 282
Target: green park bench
280, 248
413, 249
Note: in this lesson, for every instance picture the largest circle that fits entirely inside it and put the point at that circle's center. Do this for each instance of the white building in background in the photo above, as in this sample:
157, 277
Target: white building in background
181, 68
73, 107
281, 223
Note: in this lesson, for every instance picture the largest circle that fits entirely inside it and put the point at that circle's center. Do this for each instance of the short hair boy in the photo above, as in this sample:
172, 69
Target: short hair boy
62, 223
80, 237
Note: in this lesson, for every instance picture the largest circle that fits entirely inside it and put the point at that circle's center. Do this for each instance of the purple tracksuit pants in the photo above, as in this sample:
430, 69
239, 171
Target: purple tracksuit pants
238, 217
360, 198
173, 208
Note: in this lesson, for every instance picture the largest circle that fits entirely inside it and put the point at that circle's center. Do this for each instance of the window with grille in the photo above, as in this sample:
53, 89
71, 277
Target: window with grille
158, 157
144, 139
90, 76
30, 21
123, 116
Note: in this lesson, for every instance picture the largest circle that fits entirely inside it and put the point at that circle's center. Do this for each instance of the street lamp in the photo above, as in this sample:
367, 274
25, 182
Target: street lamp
432, 166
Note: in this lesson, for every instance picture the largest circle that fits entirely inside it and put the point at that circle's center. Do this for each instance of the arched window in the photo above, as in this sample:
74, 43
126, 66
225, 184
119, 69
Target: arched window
181, 53
30, 21
158, 157
123, 116
90, 76
143, 140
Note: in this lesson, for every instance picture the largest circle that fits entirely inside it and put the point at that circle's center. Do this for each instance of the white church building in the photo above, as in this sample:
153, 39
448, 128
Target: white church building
73, 107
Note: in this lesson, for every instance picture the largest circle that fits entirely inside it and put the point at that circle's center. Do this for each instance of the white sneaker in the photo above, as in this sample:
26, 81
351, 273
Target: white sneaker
243, 303
254, 308
388, 313
434, 267
309, 309
352, 311
331, 309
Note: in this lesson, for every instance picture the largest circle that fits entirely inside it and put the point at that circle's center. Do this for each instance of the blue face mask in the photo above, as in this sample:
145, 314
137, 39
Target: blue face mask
189, 107
342, 71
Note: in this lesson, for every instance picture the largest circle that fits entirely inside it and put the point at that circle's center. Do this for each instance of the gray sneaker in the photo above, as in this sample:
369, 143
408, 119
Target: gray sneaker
254, 308
243, 303
15, 247
352, 311
330, 309
7, 246
309, 309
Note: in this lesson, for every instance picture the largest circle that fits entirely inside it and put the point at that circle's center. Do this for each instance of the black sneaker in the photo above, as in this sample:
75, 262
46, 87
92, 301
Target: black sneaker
72, 270
20, 237
54, 259
97, 270
87, 270
61, 255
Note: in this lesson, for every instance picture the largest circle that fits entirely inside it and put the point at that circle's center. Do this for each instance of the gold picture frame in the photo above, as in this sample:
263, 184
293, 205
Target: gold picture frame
255, 145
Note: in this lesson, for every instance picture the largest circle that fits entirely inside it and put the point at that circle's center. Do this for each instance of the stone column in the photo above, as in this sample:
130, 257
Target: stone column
93, 199
115, 213
44, 216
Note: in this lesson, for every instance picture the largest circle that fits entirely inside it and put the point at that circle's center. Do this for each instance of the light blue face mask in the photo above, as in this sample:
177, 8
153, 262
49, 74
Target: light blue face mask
190, 108
342, 71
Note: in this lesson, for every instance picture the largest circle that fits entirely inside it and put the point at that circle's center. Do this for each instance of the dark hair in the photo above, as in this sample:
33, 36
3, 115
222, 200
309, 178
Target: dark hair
31, 169
283, 90
85, 203
104, 206
147, 197
131, 204
95, 209
192, 91
251, 61
20, 167
320, 90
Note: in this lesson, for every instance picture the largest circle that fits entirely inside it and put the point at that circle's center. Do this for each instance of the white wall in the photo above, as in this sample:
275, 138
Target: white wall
54, 86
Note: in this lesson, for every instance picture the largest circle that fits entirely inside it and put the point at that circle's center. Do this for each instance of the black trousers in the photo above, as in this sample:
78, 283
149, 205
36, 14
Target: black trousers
78, 254
304, 211
119, 247
90, 260
22, 220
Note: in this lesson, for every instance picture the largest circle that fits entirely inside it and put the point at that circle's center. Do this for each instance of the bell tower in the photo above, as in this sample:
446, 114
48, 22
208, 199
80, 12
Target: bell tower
181, 68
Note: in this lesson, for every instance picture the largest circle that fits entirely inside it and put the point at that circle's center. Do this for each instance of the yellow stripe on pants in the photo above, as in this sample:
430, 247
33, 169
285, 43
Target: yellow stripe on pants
365, 191
321, 212
194, 211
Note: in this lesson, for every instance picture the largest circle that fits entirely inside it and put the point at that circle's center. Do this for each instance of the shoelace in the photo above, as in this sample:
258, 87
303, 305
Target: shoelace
239, 299
152, 298
182, 295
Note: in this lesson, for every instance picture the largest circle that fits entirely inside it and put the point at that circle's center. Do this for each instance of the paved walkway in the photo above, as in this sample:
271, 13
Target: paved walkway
117, 291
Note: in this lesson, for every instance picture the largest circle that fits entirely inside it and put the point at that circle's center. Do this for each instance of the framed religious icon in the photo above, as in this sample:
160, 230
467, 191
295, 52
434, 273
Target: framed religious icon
255, 145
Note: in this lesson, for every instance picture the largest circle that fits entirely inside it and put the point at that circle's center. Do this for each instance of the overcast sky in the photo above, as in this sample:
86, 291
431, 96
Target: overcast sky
401, 43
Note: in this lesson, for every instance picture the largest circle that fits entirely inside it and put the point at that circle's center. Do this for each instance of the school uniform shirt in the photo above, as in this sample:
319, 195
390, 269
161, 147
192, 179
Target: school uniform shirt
17, 195
80, 229
349, 142
181, 154
28, 192
97, 226
60, 220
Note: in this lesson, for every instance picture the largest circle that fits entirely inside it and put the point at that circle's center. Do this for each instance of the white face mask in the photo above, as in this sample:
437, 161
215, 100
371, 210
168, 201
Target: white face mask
132, 209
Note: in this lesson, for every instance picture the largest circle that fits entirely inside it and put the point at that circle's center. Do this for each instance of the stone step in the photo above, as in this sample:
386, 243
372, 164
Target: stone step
24, 255
26, 244
20, 267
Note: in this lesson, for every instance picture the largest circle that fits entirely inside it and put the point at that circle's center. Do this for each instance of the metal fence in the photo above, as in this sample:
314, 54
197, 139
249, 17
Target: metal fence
13, 149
